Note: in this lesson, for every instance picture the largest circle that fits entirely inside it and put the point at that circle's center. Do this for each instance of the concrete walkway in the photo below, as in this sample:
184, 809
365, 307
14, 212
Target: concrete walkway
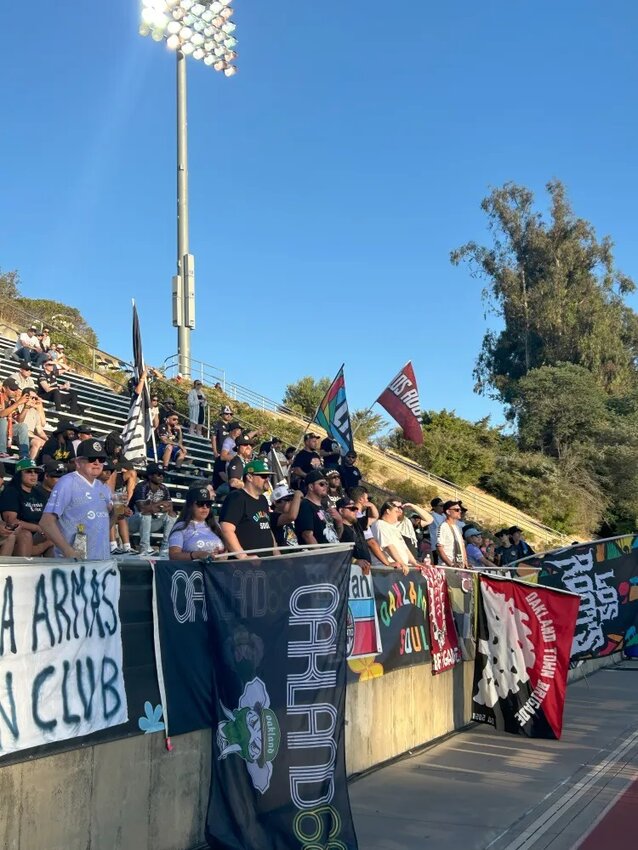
481, 790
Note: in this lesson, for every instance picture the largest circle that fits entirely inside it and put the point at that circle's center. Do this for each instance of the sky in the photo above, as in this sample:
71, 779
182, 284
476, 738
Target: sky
329, 179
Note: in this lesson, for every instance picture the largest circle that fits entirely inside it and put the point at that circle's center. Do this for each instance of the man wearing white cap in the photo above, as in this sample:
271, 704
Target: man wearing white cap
285, 510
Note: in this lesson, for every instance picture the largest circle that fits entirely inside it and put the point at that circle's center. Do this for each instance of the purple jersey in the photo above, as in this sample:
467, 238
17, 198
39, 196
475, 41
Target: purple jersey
196, 537
75, 500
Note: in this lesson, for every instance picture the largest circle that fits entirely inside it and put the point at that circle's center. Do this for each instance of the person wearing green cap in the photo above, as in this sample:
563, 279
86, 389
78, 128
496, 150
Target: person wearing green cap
21, 504
244, 517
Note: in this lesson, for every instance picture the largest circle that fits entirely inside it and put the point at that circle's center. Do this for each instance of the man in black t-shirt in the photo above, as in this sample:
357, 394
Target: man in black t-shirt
50, 389
353, 533
285, 510
59, 446
305, 460
311, 525
349, 471
244, 518
330, 454
235, 467
21, 504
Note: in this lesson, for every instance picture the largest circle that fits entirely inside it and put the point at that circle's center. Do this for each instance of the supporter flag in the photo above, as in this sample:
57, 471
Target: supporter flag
524, 638
333, 414
401, 399
138, 429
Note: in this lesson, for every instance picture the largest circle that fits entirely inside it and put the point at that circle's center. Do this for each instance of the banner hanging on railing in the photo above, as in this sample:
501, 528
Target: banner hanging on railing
60, 653
605, 575
523, 641
444, 645
402, 611
363, 635
272, 687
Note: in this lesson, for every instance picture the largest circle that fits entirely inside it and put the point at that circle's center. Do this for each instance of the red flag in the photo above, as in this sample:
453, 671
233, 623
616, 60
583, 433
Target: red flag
401, 399
444, 644
524, 637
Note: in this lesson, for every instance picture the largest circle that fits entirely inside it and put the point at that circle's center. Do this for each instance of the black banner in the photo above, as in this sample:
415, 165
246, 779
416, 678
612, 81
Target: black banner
605, 574
402, 609
271, 637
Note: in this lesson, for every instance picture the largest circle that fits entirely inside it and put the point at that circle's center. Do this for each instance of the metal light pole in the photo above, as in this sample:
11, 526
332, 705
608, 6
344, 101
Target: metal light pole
204, 31
184, 280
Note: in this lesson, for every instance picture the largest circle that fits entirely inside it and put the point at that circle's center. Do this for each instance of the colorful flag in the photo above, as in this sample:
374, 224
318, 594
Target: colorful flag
524, 638
138, 429
444, 643
333, 415
401, 399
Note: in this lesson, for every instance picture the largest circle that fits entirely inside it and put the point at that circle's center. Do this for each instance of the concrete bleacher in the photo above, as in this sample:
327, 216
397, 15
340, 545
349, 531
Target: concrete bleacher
106, 411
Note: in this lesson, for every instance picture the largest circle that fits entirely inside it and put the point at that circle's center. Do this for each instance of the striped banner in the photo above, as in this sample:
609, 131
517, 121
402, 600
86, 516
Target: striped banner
138, 428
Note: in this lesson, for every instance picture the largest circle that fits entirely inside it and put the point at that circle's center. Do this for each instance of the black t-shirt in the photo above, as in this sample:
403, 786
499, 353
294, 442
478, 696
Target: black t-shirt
284, 534
62, 453
250, 518
28, 506
331, 460
303, 460
312, 517
235, 468
350, 476
51, 379
165, 430
505, 555
143, 493
221, 432
354, 534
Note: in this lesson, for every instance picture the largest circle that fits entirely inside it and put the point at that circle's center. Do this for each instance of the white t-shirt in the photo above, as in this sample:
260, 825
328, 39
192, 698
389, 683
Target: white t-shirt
446, 538
389, 535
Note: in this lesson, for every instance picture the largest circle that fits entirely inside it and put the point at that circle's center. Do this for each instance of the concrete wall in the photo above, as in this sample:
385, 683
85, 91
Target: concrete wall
134, 795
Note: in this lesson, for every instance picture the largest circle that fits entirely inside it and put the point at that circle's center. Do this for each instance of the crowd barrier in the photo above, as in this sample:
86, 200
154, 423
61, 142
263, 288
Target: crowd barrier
122, 787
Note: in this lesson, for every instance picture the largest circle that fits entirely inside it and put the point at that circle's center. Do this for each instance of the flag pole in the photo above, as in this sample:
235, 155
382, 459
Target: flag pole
314, 418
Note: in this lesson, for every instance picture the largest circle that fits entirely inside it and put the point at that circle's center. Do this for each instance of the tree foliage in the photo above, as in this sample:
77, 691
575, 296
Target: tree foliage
366, 424
563, 364
556, 289
305, 395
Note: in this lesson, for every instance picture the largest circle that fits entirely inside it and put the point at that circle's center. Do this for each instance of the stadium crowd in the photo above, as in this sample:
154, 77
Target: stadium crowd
73, 494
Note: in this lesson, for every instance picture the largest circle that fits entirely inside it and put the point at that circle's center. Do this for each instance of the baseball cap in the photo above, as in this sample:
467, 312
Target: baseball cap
225, 410
10, 384
91, 448
55, 469
233, 426
515, 528
257, 467
314, 476
198, 494
66, 425
471, 532
26, 463
310, 434
243, 440
345, 502
24, 364
154, 469
85, 429
451, 504
282, 491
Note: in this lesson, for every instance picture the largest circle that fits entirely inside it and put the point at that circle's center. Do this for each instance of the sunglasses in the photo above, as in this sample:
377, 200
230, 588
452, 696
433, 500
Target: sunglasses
398, 507
321, 483
349, 508
204, 504
455, 510
261, 475
95, 459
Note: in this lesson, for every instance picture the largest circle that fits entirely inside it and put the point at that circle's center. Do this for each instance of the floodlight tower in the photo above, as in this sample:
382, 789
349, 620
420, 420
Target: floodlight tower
204, 30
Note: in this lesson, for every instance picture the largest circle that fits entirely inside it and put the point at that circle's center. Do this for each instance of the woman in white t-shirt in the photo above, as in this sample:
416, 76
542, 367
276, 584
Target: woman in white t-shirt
387, 534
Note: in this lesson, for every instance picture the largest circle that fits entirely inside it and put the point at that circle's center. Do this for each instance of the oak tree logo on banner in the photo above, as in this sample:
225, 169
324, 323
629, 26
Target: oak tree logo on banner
252, 731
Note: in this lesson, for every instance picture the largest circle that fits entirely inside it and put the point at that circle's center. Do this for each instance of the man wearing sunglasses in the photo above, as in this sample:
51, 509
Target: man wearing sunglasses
80, 499
153, 508
244, 517
449, 541
312, 526
352, 533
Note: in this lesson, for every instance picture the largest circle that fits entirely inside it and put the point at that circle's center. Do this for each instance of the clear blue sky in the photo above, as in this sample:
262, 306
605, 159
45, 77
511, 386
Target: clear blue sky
329, 179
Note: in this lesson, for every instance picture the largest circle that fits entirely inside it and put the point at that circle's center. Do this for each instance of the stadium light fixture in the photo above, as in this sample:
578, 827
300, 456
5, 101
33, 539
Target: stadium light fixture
203, 30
